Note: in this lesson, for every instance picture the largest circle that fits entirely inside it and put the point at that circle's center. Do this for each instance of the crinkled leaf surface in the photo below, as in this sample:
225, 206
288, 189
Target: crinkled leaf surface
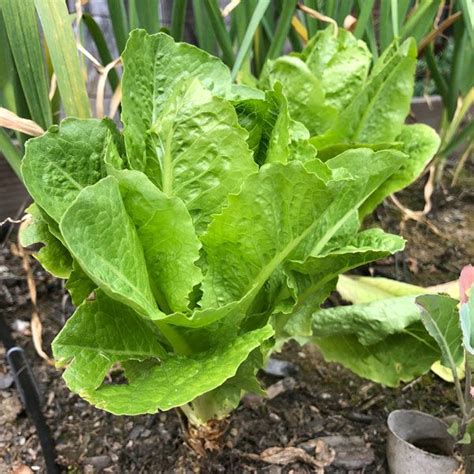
314, 278
282, 203
304, 93
60, 163
177, 380
54, 257
294, 213
377, 113
398, 358
419, 143
168, 238
152, 65
383, 341
102, 238
99, 334
200, 151
340, 62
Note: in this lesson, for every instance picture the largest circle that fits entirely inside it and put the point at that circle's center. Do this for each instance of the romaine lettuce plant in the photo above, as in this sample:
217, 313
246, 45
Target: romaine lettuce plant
209, 232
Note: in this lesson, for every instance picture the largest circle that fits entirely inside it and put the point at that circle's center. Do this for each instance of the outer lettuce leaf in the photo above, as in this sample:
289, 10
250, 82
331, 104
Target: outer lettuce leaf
99, 334
398, 358
332, 151
178, 380
168, 238
361, 289
54, 257
101, 237
63, 161
303, 90
377, 113
386, 334
200, 151
366, 246
104, 332
152, 65
419, 143
340, 62
314, 278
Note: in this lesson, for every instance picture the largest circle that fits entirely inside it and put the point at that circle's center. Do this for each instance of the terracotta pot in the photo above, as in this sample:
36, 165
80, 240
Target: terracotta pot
419, 444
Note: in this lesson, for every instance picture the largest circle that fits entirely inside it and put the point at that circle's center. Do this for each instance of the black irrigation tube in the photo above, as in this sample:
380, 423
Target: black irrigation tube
29, 394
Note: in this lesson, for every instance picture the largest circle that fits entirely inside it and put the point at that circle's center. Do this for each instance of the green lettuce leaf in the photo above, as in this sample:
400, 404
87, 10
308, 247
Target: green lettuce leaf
99, 334
294, 214
200, 151
377, 113
419, 143
152, 65
79, 285
166, 233
340, 62
303, 90
63, 161
102, 238
267, 122
314, 278
104, 332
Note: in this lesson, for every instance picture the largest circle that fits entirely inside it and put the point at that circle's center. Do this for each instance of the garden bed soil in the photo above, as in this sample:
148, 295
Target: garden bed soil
317, 400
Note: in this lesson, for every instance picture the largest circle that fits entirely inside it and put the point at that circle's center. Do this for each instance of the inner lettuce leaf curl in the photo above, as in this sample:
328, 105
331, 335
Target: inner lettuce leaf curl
208, 232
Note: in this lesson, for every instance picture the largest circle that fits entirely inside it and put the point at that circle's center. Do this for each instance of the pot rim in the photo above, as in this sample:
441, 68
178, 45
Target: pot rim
412, 446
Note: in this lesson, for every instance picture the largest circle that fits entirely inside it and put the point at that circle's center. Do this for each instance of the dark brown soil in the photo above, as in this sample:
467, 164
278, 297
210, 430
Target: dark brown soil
320, 399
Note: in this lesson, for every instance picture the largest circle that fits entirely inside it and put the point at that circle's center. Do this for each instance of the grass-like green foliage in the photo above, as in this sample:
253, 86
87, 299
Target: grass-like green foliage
209, 231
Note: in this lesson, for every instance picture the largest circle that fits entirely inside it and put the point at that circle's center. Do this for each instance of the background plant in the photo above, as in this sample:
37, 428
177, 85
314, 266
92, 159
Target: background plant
245, 34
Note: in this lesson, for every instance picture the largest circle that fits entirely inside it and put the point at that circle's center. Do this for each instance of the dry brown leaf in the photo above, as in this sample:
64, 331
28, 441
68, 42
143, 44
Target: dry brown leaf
318, 16
9, 119
229, 7
115, 101
101, 86
36, 326
23, 469
289, 455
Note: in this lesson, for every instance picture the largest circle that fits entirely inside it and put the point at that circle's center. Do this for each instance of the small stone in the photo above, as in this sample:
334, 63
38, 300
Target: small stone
20, 326
274, 417
288, 383
136, 432
98, 462
6, 381
280, 368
